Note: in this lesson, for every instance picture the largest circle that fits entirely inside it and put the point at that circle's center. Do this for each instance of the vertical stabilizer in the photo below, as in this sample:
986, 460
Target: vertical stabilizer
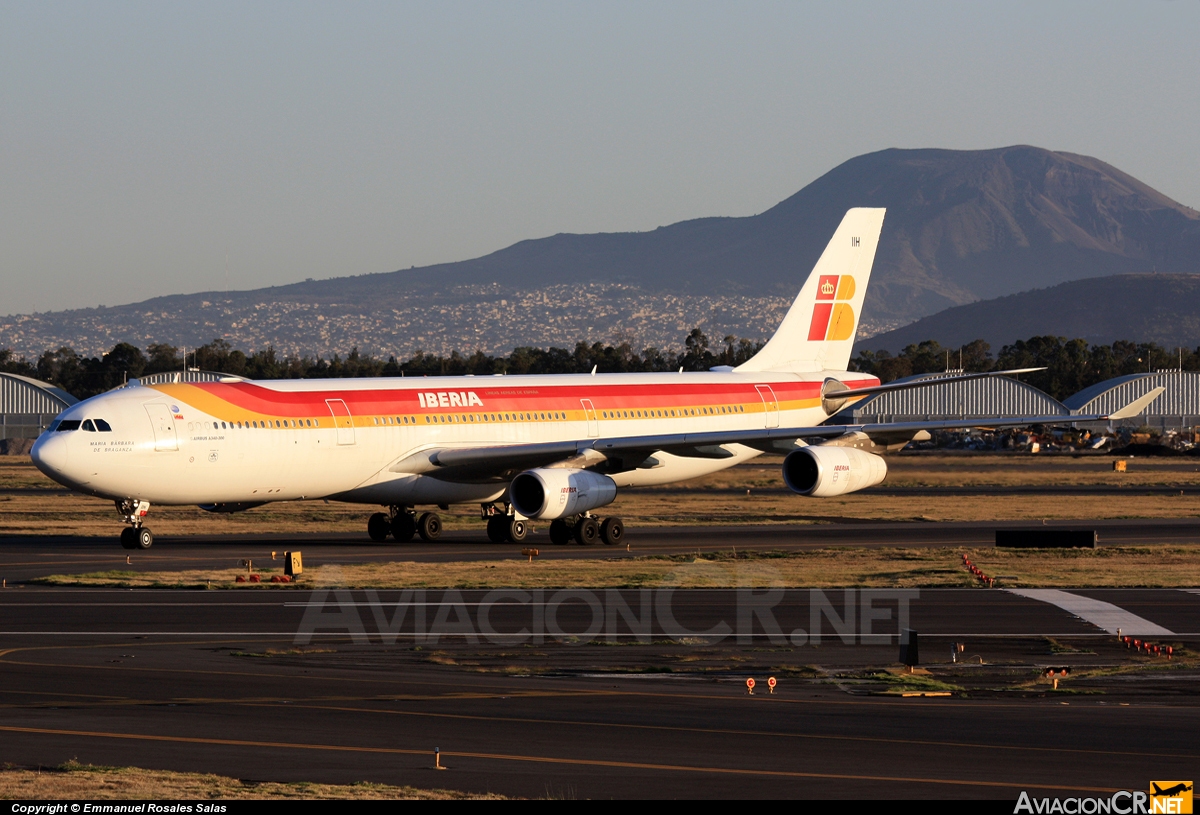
818, 331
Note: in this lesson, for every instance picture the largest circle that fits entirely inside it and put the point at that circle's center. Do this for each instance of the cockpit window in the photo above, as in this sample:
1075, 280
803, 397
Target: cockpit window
68, 424
54, 425
88, 426
103, 426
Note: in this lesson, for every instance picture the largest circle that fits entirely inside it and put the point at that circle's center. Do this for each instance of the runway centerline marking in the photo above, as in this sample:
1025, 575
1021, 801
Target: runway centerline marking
1103, 615
580, 762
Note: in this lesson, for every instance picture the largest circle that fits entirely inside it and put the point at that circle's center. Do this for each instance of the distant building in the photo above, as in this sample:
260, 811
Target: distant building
986, 398
1178, 407
28, 405
993, 397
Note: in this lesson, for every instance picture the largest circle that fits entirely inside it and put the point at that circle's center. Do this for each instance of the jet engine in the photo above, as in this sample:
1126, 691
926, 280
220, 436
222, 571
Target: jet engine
554, 493
821, 472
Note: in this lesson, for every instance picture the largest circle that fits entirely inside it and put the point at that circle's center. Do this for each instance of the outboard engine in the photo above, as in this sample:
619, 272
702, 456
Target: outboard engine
822, 472
557, 493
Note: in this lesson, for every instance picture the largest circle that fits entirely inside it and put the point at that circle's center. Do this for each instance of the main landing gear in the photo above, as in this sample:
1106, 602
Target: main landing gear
403, 524
586, 530
135, 536
503, 527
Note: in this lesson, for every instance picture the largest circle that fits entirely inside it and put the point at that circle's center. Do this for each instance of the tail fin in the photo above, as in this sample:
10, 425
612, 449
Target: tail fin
817, 333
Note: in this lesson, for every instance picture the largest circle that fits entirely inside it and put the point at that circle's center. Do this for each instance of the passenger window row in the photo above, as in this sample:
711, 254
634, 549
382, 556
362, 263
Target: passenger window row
669, 413
265, 424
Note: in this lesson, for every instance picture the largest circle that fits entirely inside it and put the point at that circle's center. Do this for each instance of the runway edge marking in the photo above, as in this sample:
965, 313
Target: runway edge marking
1103, 615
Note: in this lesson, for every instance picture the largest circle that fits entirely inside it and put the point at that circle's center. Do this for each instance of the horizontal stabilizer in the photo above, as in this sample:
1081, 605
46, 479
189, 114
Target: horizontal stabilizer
1137, 406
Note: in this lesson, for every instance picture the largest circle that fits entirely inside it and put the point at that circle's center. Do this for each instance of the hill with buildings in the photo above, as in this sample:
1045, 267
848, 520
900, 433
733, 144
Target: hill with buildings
961, 226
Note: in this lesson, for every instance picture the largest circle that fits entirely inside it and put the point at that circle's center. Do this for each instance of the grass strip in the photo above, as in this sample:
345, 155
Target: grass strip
1133, 567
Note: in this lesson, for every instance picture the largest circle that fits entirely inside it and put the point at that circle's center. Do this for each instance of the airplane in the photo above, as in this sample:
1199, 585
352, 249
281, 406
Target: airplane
1170, 792
547, 448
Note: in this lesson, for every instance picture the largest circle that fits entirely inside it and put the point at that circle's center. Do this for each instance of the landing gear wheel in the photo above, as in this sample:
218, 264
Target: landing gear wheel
587, 531
518, 529
429, 526
404, 526
143, 538
378, 526
129, 538
612, 531
497, 529
560, 533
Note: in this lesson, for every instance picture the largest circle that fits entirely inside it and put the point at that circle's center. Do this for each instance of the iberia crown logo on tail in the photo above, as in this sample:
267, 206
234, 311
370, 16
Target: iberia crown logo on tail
833, 320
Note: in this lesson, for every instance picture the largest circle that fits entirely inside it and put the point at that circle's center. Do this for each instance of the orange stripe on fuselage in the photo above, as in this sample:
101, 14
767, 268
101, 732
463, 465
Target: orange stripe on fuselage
240, 401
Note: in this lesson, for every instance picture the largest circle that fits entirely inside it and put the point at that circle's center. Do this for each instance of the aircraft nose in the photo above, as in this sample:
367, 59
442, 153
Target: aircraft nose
49, 454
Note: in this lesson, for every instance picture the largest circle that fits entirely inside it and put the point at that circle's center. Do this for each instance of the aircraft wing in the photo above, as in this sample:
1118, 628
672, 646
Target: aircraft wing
629, 452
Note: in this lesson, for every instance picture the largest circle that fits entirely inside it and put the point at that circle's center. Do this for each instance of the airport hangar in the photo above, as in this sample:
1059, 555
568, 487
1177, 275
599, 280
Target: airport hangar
988, 398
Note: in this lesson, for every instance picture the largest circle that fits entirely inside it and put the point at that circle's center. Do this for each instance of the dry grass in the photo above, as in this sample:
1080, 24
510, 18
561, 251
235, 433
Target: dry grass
1166, 567
73, 781
749, 494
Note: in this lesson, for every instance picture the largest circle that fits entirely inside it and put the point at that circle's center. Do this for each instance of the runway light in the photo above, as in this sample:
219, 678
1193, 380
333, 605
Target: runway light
437, 759
771, 683
750, 685
530, 553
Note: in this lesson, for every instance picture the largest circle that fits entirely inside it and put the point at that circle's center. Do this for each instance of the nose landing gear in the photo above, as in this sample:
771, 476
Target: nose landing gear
135, 536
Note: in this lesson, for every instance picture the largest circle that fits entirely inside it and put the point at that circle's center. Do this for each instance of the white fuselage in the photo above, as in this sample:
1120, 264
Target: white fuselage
254, 442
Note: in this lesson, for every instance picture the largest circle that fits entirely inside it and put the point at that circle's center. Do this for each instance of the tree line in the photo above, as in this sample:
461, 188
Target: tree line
84, 376
1071, 365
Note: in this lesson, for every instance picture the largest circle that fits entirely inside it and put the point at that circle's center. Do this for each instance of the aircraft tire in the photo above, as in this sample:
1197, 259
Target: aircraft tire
429, 526
560, 533
518, 530
144, 538
378, 526
404, 527
129, 538
587, 531
612, 531
497, 529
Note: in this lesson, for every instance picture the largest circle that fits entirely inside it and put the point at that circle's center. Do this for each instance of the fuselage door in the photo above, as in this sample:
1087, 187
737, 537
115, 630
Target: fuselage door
164, 427
770, 405
342, 420
590, 411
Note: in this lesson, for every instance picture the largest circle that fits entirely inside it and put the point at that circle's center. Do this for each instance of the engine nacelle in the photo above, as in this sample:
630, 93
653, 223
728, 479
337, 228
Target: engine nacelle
822, 472
554, 493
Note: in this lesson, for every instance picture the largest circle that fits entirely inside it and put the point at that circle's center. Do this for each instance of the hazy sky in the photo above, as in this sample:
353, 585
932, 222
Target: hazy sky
141, 143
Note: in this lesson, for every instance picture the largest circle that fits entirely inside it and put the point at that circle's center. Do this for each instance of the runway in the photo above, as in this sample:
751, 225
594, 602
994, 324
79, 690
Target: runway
26, 557
230, 683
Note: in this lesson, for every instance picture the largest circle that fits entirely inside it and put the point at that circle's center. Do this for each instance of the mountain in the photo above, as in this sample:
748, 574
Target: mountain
1160, 308
961, 226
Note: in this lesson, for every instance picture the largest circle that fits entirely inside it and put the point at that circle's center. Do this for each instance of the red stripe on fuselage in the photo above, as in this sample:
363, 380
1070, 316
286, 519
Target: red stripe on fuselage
302, 404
